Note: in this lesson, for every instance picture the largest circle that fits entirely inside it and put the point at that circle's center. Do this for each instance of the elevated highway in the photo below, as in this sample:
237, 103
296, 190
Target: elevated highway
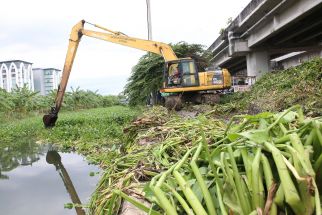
267, 29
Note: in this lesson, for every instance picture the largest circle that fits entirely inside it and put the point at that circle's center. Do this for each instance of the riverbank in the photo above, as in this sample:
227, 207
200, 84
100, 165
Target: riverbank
135, 154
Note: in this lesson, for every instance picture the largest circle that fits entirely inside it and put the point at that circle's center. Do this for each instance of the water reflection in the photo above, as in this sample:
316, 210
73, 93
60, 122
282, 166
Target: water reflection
20, 153
29, 182
54, 158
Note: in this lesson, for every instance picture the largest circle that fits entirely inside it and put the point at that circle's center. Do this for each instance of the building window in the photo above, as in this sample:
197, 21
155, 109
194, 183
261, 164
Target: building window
4, 72
48, 72
13, 72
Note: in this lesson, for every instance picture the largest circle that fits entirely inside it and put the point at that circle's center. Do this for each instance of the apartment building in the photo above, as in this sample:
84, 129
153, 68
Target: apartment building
46, 79
16, 74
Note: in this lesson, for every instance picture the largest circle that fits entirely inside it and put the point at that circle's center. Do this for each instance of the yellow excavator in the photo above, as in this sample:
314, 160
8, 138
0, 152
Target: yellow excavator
182, 81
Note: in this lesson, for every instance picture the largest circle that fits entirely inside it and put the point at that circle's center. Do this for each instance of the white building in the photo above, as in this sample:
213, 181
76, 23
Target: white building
16, 73
46, 80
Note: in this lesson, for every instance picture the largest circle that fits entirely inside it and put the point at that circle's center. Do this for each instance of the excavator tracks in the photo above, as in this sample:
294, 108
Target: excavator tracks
173, 102
177, 102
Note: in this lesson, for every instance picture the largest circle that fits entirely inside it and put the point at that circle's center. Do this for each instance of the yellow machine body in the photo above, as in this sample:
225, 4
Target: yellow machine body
209, 80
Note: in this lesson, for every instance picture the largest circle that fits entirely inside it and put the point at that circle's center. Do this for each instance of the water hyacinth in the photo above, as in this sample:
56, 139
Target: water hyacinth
262, 164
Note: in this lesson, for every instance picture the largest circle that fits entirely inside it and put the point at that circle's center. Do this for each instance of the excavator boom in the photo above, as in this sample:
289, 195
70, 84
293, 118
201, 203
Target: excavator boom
115, 37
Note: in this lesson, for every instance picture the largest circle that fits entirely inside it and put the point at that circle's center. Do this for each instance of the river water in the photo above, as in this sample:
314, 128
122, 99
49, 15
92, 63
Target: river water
37, 179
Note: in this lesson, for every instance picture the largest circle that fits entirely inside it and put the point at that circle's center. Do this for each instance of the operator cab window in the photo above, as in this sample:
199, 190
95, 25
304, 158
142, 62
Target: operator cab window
174, 77
182, 74
189, 73
218, 77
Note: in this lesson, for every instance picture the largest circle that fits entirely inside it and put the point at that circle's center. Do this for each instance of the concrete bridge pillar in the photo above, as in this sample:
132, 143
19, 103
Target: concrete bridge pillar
258, 63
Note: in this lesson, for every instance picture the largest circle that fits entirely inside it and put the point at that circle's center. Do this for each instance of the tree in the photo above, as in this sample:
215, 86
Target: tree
147, 75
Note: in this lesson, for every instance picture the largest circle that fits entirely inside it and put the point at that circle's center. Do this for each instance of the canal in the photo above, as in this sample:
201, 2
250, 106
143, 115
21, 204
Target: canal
39, 179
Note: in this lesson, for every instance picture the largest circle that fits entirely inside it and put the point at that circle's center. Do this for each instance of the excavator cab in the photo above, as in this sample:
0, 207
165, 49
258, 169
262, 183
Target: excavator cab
181, 73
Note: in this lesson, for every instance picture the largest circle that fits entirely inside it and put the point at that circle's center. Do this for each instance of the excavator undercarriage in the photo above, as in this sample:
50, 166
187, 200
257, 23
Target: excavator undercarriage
177, 101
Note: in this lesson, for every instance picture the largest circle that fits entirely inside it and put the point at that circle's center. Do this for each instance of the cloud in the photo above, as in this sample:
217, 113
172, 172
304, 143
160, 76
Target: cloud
105, 84
3, 36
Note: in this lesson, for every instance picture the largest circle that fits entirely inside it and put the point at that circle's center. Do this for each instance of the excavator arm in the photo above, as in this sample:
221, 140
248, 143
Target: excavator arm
111, 36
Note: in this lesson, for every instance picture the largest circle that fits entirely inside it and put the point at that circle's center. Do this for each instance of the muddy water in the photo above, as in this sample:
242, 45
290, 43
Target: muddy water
38, 179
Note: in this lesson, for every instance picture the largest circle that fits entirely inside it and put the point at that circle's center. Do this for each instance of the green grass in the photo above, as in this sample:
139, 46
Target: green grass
279, 90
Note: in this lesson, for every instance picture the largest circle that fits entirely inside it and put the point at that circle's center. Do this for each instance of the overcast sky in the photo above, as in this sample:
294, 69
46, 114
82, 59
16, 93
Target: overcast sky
38, 30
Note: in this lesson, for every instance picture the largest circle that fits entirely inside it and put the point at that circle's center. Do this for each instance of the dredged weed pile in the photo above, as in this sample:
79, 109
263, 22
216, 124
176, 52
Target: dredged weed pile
154, 142
262, 164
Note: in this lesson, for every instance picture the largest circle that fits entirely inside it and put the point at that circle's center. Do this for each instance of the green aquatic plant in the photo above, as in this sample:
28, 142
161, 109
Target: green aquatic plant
262, 164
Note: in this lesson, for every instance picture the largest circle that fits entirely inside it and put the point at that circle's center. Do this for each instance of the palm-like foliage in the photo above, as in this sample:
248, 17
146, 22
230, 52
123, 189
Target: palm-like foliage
22, 101
5, 101
147, 74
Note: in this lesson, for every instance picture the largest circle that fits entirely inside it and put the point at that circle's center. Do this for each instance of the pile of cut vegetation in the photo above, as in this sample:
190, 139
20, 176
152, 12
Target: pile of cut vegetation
278, 90
269, 163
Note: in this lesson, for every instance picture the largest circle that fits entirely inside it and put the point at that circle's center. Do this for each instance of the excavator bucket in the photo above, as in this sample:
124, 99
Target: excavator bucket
53, 157
49, 120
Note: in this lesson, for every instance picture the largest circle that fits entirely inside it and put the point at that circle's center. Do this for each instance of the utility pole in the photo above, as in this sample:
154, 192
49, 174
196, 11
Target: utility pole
148, 8
152, 99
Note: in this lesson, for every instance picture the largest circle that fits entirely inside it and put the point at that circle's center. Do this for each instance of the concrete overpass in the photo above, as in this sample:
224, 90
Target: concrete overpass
267, 29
